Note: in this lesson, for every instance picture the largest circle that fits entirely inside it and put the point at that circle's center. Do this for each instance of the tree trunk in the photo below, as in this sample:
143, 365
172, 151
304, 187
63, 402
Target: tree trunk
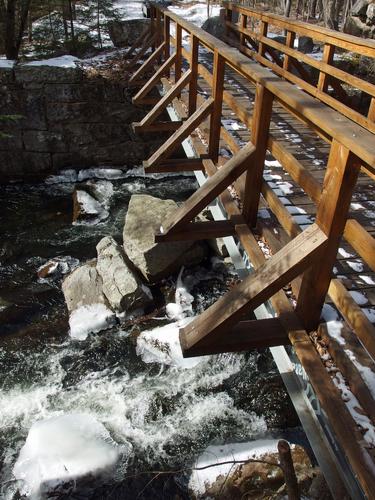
98, 23
10, 30
23, 22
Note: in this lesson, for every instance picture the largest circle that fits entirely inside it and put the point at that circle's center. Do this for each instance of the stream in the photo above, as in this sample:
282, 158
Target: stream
163, 414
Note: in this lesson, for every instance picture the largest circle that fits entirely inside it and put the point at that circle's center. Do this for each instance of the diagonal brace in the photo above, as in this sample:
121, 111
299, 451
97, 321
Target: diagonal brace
154, 79
148, 64
180, 135
214, 186
278, 271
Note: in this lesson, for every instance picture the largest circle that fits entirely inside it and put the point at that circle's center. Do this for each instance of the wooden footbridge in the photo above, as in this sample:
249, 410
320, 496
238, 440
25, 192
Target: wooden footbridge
261, 116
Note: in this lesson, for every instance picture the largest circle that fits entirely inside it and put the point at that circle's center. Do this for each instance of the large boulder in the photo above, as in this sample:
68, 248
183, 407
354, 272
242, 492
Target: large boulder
144, 217
125, 33
122, 288
83, 287
215, 26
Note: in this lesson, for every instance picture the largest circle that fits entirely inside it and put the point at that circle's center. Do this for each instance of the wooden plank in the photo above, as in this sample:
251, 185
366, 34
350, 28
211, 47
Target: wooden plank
217, 94
199, 231
184, 131
259, 137
246, 336
177, 165
284, 266
344, 362
156, 126
353, 314
148, 64
362, 242
210, 190
340, 179
166, 99
154, 80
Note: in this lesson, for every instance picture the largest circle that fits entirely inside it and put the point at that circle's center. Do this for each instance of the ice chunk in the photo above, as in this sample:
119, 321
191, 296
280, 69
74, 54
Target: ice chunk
65, 448
90, 319
162, 345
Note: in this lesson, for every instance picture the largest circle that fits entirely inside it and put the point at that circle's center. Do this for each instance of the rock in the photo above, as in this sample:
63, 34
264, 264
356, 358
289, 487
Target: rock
57, 266
215, 26
86, 208
305, 44
359, 9
144, 217
125, 33
370, 14
84, 286
122, 288
231, 482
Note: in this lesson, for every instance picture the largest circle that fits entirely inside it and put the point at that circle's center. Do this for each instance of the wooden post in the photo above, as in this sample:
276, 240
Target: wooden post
259, 137
290, 38
340, 179
193, 89
217, 94
328, 53
244, 26
228, 19
287, 466
263, 32
177, 67
167, 40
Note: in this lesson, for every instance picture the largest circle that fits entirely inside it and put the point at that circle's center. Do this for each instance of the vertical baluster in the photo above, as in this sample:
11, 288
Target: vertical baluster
217, 94
167, 40
177, 70
259, 137
228, 19
290, 38
328, 53
243, 26
263, 32
193, 87
339, 182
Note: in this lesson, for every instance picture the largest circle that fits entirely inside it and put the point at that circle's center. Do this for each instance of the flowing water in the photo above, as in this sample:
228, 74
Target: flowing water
165, 414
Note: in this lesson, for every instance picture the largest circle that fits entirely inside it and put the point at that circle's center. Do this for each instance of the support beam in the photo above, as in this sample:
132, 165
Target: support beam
246, 336
148, 64
279, 270
214, 186
165, 100
193, 88
217, 94
177, 165
339, 182
199, 231
181, 134
154, 80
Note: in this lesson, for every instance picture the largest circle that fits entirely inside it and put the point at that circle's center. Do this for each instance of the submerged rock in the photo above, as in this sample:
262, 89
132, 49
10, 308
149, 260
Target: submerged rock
83, 287
144, 217
64, 450
122, 288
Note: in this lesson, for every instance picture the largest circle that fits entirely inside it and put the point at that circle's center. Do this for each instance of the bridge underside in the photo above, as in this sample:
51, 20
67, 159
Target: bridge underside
209, 83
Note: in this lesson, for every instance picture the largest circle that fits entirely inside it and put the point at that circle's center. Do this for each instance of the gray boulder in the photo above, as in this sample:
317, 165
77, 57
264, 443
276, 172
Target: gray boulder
83, 287
122, 288
215, 27
125, 33
305, 44
144, 217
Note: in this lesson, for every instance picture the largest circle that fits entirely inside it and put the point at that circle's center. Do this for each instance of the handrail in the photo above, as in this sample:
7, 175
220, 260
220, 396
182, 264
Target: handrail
286, 61
356, 138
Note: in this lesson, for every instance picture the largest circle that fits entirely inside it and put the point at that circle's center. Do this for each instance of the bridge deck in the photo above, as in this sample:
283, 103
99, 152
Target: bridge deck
312, 171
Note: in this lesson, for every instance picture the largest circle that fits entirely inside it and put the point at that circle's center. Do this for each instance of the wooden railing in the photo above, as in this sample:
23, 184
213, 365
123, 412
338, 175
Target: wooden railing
255, 32
188, 60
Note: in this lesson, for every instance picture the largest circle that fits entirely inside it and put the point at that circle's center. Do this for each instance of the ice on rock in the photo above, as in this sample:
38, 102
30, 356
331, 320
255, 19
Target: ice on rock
90, 319
162, 345
201, 480
65, 448
182, 306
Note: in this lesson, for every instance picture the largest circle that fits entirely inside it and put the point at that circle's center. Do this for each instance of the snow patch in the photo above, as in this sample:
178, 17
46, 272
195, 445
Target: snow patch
90, 319
65, 448
59, 62
90, 206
